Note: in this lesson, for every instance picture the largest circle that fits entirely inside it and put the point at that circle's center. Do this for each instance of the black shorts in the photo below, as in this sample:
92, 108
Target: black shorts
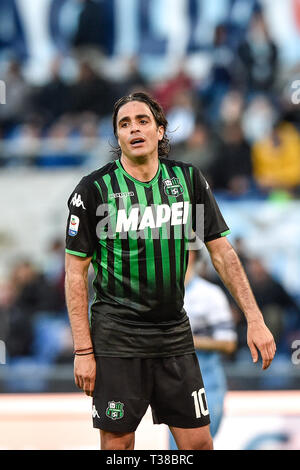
125, 387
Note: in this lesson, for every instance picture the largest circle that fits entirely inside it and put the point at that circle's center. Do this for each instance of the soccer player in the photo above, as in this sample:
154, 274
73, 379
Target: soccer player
129, 220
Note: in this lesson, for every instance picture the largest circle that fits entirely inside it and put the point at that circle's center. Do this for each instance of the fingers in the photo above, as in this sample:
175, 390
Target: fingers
85, 374
253, 351
78, 381
260, 339
266, 360
86, 384
268, 354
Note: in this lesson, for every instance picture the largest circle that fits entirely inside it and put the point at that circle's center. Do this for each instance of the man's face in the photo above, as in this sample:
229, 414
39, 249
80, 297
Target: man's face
138, 133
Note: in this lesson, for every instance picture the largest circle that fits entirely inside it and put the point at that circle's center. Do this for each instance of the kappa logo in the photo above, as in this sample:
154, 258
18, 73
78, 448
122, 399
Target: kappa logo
115, 410
76, 201
173, 187
95, 412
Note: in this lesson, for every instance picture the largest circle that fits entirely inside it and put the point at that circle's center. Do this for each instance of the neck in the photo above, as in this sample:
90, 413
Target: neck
141, 168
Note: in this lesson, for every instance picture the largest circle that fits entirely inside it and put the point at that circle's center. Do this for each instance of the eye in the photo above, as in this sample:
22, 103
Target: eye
143, 121
124, 124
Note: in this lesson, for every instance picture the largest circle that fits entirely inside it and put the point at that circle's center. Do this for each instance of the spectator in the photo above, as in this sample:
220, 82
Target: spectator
33, 295
54, 271
241, 249
65, 354
24, 142
88, 129
91, 27
132, 80
223, 59
165, 91
221, 76
272, 299
259, 118
276, 159
53, 99
232, 169
259, 56
18, 97
200, 148
91, 92
231, 109
181, 117
7, 293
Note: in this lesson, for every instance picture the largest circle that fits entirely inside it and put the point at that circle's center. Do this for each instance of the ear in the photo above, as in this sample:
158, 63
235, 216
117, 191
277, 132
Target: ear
161, 132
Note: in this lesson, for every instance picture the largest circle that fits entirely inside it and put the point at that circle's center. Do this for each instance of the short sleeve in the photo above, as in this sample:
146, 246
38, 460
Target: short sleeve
208, 222
81, 237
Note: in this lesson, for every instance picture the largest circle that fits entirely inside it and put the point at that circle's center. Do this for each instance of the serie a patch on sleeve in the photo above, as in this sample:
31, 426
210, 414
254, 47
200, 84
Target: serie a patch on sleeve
74, 224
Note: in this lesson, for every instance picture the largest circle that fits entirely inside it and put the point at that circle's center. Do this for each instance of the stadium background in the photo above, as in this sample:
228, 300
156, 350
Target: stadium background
226, 72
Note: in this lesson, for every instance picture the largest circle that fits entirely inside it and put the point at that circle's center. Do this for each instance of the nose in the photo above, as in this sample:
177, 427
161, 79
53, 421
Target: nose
134, 127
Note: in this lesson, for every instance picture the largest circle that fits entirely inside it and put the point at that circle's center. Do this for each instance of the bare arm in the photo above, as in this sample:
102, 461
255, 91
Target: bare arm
230, 270
207, 343
76, 287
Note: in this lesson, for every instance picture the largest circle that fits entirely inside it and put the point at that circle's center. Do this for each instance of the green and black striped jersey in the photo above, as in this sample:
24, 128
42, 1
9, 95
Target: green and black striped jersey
137, 235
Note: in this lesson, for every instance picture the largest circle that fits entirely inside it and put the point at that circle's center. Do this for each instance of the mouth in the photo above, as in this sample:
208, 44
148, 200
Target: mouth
137, 141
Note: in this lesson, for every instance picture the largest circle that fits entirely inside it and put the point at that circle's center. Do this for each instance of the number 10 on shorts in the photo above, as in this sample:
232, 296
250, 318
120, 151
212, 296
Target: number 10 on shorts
200, 404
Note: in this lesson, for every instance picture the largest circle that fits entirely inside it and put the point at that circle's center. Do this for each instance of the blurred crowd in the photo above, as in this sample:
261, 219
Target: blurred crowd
29, 295
236, 120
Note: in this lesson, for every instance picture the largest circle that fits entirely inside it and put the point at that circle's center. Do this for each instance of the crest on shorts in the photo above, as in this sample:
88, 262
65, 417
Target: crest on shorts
173, 187
115, 410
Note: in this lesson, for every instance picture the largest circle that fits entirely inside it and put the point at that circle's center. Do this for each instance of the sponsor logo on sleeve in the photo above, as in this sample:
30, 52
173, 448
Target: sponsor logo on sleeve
74, 224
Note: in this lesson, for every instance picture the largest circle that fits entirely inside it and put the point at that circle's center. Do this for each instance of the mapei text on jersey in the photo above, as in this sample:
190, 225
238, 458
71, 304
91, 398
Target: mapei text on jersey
140, 217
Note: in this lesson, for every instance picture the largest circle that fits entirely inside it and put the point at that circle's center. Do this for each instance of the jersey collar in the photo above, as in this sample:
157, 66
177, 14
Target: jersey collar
146, 185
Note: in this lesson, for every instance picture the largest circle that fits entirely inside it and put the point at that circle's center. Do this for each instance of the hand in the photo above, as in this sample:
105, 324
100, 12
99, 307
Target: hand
260, 337
85, 373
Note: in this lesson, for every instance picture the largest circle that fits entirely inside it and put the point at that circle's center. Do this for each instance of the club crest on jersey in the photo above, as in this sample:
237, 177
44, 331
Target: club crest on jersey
115, 410
173, 187
74, 224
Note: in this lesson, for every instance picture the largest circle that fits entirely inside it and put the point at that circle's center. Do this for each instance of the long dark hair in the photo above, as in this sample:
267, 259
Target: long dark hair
156, 110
